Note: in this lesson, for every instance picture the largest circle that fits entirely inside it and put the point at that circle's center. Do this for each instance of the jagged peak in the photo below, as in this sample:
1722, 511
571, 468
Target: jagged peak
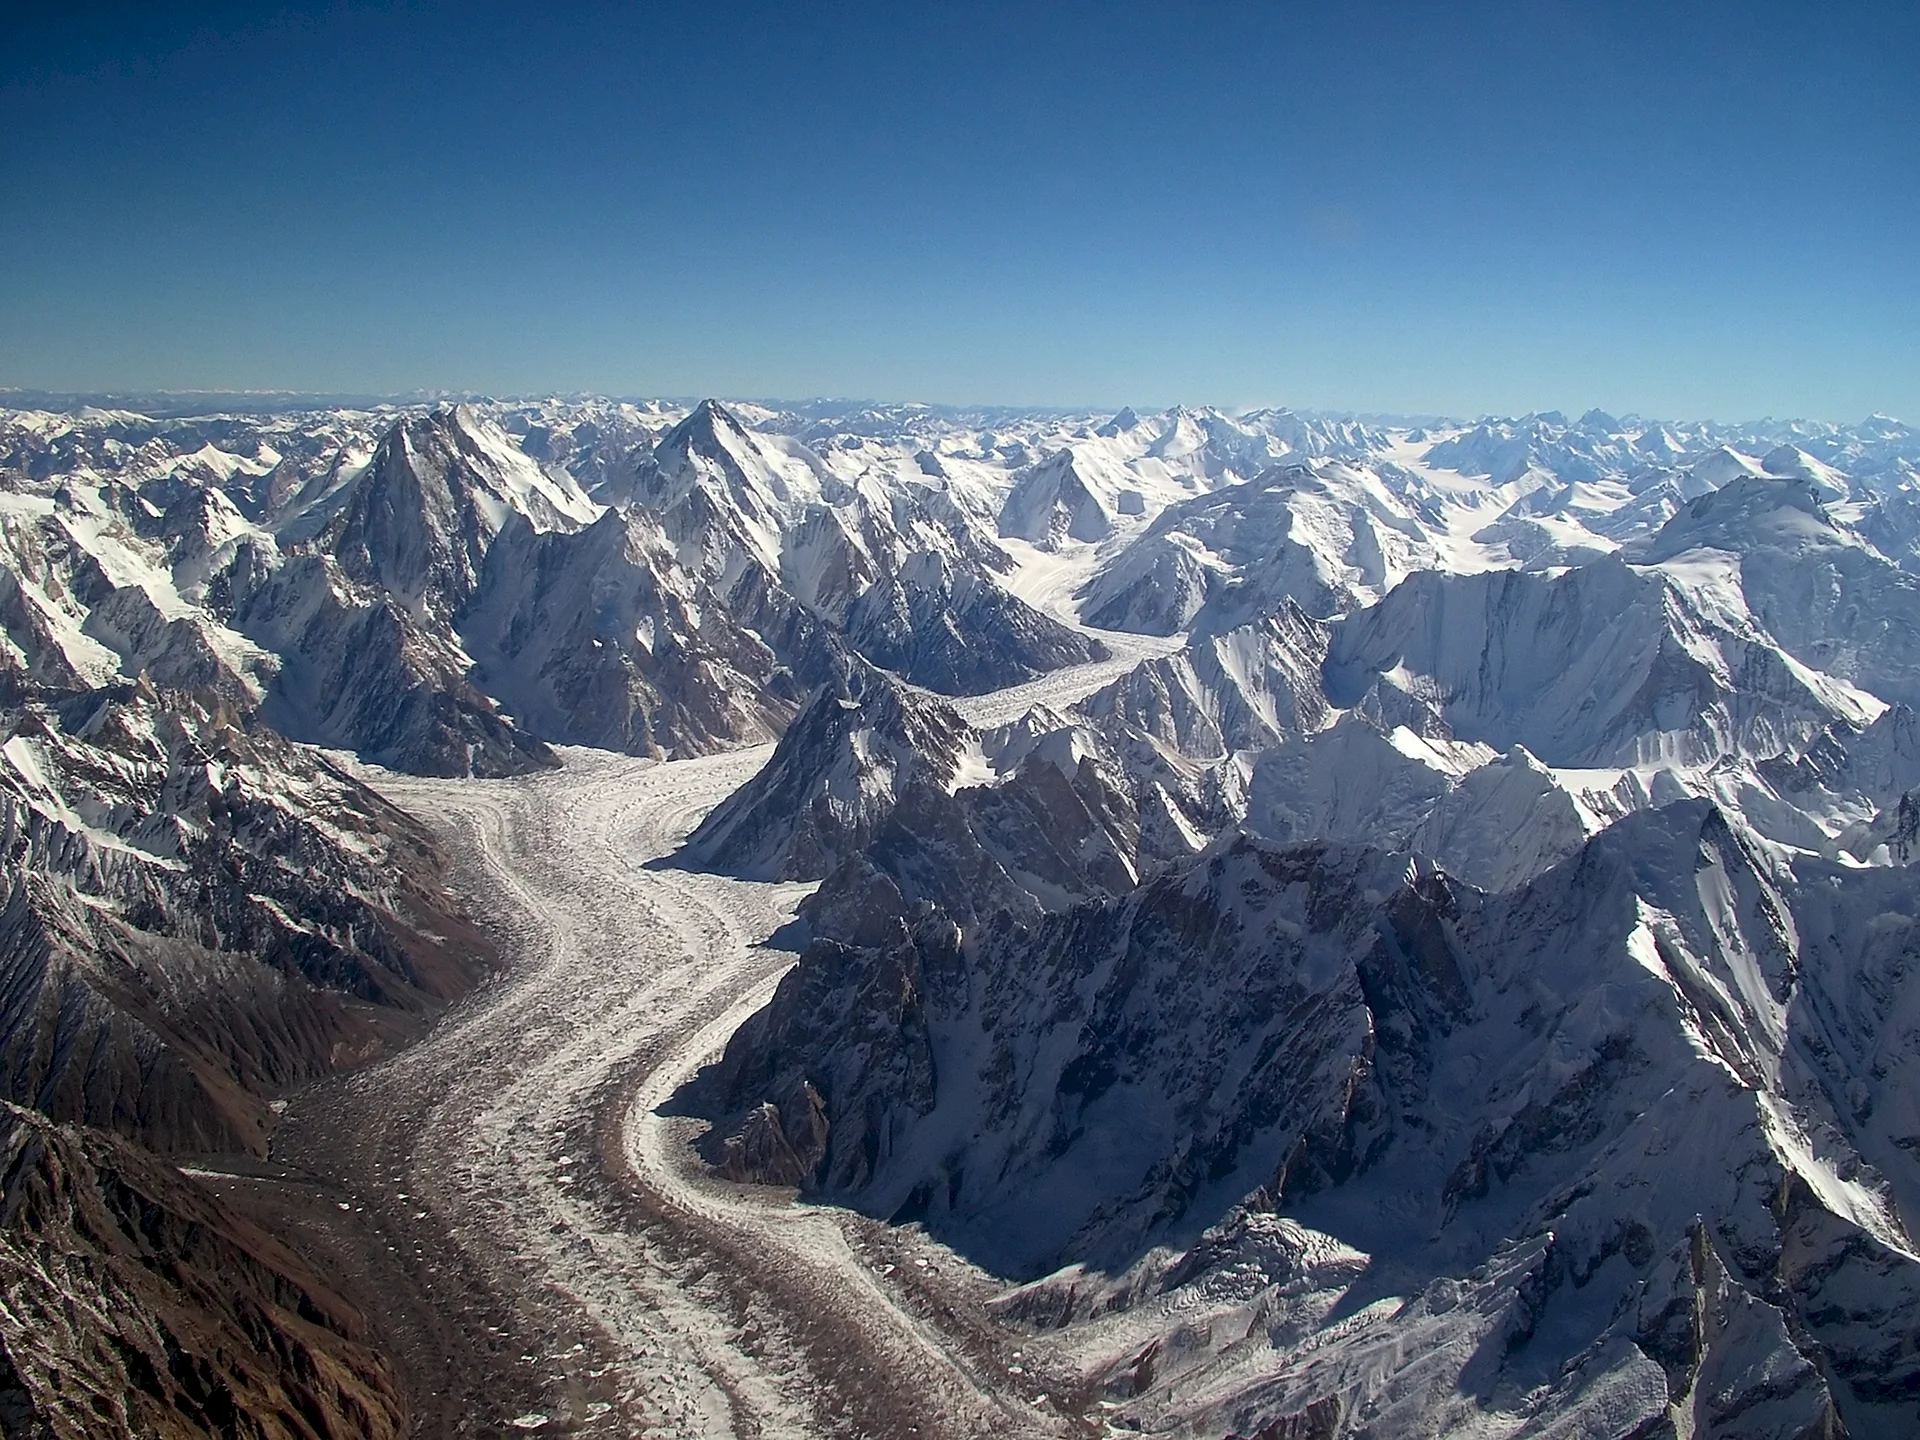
854, 746
1655, 847
713, 444
1247, 869
707, 425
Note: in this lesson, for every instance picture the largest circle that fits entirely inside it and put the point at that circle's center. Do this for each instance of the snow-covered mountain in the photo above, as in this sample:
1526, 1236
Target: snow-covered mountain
1459, 982
1600, 665
909, 577
346, 583
1238, 690
836, 775
1824, 594
418, 523
1327, 537
1469, 1042
600, 637
1292, 1116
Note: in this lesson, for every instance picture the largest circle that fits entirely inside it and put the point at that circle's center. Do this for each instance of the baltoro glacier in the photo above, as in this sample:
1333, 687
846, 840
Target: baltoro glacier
1325, 926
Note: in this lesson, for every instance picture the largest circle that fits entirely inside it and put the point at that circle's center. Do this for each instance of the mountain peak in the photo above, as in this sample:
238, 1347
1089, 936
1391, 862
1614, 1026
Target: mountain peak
1791, 462
833, 779
1746, 514
710, 429
712, 417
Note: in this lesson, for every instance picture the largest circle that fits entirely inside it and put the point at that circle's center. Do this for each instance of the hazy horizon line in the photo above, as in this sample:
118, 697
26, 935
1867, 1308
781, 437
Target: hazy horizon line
67, 401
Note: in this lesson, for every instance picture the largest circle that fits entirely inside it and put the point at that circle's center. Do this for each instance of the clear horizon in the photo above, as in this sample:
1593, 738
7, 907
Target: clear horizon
534, 397
1683, 212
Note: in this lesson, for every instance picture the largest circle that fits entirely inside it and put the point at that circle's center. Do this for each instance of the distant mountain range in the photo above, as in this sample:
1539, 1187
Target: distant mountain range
1462, 980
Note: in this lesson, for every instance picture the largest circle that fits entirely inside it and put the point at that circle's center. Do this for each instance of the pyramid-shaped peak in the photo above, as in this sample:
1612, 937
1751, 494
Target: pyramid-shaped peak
713, 416
712, 430
457, 427
442, 459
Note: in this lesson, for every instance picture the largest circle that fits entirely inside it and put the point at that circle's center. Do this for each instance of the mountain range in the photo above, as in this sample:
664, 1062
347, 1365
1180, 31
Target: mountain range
1458, 981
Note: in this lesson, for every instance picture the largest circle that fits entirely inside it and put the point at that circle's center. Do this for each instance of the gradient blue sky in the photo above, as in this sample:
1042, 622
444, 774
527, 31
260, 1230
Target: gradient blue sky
1677, 208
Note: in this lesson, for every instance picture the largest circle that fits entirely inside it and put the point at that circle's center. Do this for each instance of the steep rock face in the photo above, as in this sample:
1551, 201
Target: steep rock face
363, 615
1242, 689
903, 574
723, 490
76, 607
358, 672
957, 632
101, 587
836, 774
200, 916
829, 564
1601, 665
1064, 497
1852, 778
1598, 1140
331, 568
137, 1306
1053, 818
1156, 586
1890, 837
1890, 522
1047, 1043
733, 501
598, 638
900, 806
419, 522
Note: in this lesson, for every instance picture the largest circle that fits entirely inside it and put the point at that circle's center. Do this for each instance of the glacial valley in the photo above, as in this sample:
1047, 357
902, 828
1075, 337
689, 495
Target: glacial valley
580, 916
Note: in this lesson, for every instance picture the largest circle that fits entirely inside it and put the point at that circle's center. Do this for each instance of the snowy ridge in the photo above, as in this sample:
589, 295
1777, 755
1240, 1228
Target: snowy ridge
836, 774
1117, 1071
1240, 690
1328, 537
1301, 1134
337, 572
1458, 981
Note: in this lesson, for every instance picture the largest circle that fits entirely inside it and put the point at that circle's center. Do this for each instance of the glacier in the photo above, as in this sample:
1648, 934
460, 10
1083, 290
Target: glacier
1315, 926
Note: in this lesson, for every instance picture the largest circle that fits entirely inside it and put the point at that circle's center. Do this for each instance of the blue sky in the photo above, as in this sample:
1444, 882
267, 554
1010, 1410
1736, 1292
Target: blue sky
1676, 208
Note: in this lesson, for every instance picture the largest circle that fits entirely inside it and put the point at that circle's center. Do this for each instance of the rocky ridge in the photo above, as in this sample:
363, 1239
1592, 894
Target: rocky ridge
138, 1305
1272, 1110
1461, 991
